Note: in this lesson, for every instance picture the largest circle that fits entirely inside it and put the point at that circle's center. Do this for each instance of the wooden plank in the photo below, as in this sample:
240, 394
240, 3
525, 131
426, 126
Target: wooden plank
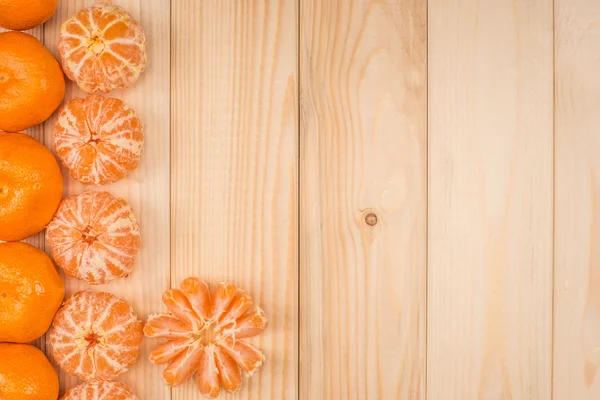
363, 198
147, 189
234, 171
577, 211
490, 200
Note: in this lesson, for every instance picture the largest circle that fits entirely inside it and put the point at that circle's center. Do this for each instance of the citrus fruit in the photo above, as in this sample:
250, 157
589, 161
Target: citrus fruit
95, 336
26, 373
30, 186
94, 237
19, 15
205, 334
100, 390
32, 85
102, 48
30, 292
99, 139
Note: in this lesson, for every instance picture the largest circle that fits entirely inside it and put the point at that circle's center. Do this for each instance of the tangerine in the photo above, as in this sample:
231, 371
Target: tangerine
102, 48
31, 186
32, 85
99, 390
94, 237
26, 373
206, 334
95, 336
19, 15
99, 139
30, 292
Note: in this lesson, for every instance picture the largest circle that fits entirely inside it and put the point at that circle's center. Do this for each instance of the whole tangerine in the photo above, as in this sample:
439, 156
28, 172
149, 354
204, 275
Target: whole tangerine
26, 373
30, 292
95, 336
32, 85
102, 48
31, 186
19, 15
99, 139
94, 237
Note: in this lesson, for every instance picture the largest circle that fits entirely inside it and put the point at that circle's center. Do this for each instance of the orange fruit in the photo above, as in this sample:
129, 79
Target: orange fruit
30, 186
26, 373
102, 48
206, 334
32, 85
94, 237
30, 292
95, 336
99, 139
100, 390
19, 15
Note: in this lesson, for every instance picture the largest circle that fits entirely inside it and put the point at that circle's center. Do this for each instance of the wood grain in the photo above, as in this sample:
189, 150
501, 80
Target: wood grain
234, 167
490, 200
147, 189
577, 212
363, 199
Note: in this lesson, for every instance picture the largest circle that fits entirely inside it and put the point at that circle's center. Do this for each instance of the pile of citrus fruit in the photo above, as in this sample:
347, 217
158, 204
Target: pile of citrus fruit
94, 236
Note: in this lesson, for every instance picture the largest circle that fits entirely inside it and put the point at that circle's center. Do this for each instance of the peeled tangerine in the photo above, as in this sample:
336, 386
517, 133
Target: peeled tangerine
207, 334
94, 237
102, 48
99, 139
95, 336
99, 390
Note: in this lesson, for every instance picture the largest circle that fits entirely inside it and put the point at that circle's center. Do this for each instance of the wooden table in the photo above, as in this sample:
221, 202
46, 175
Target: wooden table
411, 192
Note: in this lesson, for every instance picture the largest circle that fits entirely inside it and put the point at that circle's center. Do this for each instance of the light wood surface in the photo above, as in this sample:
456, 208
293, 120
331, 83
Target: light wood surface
410, 189
235, 166
363, 157
577, 214
490, 200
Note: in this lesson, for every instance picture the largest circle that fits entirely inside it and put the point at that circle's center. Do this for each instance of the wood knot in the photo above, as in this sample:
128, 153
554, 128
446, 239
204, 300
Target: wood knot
371, 218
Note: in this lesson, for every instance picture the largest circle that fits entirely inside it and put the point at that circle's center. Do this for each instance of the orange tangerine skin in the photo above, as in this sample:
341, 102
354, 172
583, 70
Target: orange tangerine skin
19, 15
25, 373
31, 186
32, 84
30, 292
102, 48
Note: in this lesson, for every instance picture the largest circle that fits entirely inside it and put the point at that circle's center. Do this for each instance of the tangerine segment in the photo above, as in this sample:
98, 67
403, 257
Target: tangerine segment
198, 294
207, 377
229, 370
102, 48
248, 357
99, 139
205, 333
100, 390
94, 237
183, 365
95, 336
